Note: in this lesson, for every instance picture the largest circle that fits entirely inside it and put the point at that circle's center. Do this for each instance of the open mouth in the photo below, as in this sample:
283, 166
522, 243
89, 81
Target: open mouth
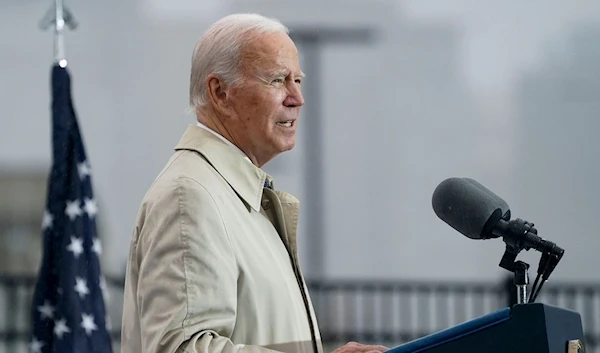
289, 123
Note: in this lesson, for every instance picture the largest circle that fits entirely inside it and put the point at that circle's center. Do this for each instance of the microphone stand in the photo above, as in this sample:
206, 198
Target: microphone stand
521, 281
520, 270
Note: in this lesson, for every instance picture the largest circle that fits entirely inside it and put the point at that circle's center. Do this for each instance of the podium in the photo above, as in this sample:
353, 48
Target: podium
523, 328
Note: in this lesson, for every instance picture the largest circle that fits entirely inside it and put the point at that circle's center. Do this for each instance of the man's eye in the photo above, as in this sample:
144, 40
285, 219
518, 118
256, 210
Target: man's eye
278, 80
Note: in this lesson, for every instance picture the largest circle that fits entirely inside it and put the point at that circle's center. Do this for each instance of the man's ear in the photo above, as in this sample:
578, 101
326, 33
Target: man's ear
218, 92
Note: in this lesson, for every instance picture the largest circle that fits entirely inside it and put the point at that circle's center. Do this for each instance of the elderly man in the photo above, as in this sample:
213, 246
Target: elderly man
213, 265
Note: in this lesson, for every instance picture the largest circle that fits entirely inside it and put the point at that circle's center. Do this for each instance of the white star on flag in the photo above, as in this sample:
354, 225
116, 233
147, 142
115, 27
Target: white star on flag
47, 221
73, 210
83, 169
35, 346
90, 207
81, 287
96, 246
88, 324
60, 328
46, 310
76, 246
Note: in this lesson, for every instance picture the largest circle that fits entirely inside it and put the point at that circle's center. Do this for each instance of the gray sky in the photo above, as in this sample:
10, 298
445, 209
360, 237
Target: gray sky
503, 37
500, 37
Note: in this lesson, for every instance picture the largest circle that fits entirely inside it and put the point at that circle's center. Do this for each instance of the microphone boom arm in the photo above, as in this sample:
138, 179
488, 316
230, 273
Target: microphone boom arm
520, 235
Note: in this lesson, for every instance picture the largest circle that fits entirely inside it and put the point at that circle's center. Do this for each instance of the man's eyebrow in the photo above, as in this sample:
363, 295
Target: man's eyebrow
279, 73
269, 76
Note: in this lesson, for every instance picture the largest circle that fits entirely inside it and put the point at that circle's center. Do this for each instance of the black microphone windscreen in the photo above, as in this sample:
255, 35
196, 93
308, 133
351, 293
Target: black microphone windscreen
501, 203
468, 207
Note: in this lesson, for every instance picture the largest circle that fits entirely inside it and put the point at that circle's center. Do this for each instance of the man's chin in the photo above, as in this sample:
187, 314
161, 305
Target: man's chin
284, 144
288, 145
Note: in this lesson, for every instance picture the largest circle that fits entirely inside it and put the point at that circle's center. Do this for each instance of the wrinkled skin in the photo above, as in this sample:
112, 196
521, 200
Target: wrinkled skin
250, 115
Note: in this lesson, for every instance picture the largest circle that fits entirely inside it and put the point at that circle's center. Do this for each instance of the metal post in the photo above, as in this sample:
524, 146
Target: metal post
312, 41
59, 16
314, 206
521, 281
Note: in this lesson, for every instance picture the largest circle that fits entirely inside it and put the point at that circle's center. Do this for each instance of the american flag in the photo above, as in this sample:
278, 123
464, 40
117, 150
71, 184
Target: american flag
68, 312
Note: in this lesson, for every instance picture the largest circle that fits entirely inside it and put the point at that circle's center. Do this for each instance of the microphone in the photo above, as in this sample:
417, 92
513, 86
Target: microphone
469, 207
478, 213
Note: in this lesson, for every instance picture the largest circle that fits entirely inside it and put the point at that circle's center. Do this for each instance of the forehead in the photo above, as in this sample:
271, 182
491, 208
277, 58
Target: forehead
274, 51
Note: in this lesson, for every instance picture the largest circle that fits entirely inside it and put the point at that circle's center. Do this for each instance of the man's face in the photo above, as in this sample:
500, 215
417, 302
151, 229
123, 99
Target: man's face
267, 104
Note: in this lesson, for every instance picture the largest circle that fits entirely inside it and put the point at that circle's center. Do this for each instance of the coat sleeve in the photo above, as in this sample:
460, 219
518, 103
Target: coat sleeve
187, 281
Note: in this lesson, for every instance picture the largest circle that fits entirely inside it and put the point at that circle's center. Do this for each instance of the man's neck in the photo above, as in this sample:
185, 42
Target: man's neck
215, 125
222, 138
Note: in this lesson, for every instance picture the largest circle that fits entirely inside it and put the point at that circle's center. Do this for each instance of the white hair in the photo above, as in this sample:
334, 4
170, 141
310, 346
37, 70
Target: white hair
218, 51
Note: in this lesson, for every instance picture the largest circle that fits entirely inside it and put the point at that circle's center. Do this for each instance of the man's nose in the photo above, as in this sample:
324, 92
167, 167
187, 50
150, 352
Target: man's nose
294, 98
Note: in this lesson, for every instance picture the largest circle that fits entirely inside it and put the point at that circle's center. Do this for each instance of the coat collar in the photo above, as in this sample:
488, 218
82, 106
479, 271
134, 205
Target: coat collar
244, 177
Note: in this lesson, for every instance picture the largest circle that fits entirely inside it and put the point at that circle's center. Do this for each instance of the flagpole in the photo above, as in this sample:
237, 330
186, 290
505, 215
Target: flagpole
59, 16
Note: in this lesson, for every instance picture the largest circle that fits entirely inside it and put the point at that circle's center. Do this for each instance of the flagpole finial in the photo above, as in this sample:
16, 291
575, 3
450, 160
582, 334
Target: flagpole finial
59, 16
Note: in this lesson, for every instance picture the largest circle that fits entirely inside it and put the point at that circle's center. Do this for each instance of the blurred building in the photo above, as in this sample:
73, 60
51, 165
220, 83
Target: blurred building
558, 107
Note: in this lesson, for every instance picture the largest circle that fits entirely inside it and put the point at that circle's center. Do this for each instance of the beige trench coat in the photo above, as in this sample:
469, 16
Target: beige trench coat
213, 263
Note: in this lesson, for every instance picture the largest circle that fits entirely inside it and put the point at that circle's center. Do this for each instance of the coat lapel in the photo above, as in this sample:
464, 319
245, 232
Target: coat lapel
286, 209
285, 218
